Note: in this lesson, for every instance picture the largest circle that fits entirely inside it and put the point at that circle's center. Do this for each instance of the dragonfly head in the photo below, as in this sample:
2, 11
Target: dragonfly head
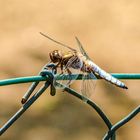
56, 56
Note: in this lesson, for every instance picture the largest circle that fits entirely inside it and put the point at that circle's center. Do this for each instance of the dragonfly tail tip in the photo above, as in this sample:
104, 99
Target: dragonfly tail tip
23, 101
125, 87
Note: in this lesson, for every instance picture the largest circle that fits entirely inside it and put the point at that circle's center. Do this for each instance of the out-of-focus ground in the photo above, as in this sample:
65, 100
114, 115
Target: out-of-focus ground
110, 32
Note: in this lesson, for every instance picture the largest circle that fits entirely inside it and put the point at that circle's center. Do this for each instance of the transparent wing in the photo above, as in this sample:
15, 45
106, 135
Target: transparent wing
89, 79
82, 50
88, 85
66, 46
69, 73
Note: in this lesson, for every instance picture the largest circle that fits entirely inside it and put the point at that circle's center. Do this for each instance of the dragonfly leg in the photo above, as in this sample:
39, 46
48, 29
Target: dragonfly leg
62, 70
69, 72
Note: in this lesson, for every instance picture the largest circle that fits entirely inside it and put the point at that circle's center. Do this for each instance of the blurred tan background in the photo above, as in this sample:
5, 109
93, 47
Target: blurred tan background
110, 32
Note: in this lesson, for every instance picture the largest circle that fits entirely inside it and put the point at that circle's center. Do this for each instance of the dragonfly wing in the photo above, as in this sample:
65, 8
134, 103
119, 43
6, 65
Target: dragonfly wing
82, 50
69, 74
66, 46
88, 85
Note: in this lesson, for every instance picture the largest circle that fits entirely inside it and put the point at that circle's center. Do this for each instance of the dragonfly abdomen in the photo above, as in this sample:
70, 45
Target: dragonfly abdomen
112, 79
106, 76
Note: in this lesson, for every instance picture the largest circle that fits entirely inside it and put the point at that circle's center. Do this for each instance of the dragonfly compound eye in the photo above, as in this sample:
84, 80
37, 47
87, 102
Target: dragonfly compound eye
55, 56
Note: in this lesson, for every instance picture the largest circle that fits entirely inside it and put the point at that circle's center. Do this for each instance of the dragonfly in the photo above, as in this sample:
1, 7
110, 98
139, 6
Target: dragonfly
82, 64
